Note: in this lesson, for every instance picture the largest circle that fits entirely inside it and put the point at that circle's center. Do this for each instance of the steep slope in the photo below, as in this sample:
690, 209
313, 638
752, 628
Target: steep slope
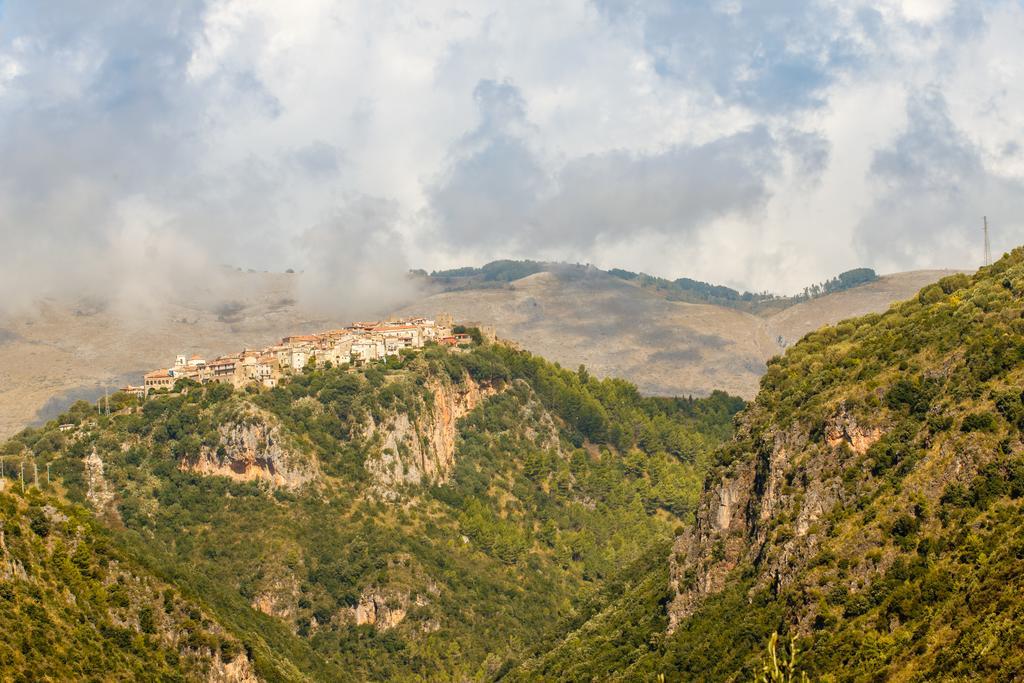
423, 519
75, 606
875, 297
870, 506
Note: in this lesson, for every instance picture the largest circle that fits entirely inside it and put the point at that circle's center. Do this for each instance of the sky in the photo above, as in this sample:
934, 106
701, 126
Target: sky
763, 145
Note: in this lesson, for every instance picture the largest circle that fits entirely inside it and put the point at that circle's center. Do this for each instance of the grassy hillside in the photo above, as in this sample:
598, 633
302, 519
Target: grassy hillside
343, 531
618, 328
869, 506
500, 273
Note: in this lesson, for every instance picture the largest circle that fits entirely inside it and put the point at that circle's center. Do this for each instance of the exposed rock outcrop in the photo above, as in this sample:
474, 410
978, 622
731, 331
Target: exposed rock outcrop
252, 449
238, 670
97, 492
843, 427
382, 609
422, 450
10, 567
278, 598
737, 518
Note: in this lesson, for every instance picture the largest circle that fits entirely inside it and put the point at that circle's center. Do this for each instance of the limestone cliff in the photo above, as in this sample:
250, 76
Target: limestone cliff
421, 450
252, 448
792, 475
381, 609
98, 492
278, 597
842, 427
238, 670
403, 601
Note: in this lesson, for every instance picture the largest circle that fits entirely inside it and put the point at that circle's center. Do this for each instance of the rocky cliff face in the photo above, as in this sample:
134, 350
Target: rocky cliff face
381, 609
98, 492
238, 670
11, 568
421, 450
792, 476
843, 428
252, 449
385, 607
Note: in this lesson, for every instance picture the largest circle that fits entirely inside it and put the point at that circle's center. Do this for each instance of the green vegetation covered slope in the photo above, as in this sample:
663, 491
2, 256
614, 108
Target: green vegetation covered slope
870, 505
75, 606
426, 519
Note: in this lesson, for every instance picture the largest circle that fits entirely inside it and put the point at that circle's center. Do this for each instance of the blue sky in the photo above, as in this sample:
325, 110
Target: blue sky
764, 145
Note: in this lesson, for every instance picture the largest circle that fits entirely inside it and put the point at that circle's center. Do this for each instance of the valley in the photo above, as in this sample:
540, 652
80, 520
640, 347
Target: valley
869, 508
417, 518
491, 342
478, 512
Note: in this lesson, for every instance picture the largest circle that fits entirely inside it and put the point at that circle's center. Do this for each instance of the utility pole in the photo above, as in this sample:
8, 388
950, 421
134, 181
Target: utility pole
988, 247
22, 477
47, 475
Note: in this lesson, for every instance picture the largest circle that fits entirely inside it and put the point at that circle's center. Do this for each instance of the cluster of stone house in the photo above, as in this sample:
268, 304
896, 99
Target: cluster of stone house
360, 342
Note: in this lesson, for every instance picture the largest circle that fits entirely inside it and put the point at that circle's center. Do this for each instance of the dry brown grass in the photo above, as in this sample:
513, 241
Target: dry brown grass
73, 349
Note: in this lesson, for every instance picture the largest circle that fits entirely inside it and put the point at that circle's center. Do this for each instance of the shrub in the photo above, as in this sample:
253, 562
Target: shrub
931, 294
915, 396
978, 422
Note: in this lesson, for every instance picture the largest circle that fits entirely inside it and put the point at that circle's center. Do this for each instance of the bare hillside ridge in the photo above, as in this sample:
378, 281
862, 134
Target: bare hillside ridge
665, 347
66, 350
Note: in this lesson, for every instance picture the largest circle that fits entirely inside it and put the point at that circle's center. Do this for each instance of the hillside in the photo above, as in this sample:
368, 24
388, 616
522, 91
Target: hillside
619, 329
423, 519
71, 349
75, 606
869, 507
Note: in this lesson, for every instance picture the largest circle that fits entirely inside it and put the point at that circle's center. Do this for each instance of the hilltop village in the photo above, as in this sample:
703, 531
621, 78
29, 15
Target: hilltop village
360, 342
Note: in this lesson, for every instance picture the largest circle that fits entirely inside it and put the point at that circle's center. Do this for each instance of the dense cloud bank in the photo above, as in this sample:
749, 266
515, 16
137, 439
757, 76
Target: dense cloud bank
762, 145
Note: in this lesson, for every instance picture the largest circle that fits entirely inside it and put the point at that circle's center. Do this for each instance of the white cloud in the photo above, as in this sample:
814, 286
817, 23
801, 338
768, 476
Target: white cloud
242, 124
9, 70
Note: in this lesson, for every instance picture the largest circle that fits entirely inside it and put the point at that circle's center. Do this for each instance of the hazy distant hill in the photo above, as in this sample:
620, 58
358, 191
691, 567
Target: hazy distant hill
617, 328
572, 314
66, 350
